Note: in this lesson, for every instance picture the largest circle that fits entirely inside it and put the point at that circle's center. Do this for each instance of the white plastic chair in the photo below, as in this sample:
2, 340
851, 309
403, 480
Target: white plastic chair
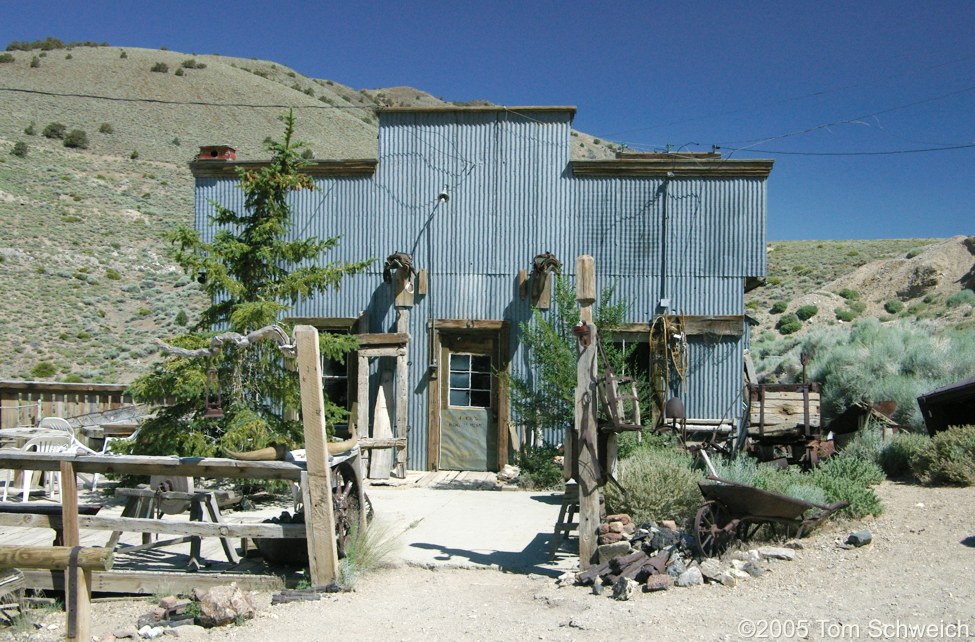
107, 450
62, 425
44, 444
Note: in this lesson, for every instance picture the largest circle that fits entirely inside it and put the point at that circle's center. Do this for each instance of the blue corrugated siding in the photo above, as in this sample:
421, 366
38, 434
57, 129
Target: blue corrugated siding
512, 196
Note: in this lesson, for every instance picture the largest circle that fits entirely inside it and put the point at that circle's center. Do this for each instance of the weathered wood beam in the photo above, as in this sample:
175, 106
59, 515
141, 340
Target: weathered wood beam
145, 465
149, 582
54, 558
323, 561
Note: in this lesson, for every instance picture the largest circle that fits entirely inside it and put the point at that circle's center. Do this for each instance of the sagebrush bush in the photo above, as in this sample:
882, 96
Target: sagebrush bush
77, 139
7, 57
807, 312
845, 314
894, 306
538, 468
788, 324
964, 297
54, 130
660, 484
43, 369
160, 67
950, 459
19, 149
779, 307
850, 479
106, 128
867, 444
31, 129
901, 451
848, 294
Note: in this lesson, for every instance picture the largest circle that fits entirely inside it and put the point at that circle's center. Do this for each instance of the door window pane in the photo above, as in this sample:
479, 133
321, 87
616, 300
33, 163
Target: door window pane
470, 380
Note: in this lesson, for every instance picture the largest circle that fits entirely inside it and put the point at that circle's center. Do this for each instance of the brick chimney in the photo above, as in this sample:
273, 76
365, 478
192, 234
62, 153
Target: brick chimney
218, 152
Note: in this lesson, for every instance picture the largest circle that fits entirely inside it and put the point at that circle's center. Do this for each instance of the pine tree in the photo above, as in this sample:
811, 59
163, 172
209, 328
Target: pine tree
253, 272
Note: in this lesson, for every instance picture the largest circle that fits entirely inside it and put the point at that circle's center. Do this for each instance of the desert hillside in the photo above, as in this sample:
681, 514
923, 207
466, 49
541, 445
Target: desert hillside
84, 267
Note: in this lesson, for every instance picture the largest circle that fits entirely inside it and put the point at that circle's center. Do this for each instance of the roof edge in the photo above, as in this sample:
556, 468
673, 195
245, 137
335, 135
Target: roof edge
346, 167
672, 167
571, 109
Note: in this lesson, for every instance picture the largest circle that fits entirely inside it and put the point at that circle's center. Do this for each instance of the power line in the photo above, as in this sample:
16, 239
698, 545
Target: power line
160, 101
886, 153
813, 94
855, 120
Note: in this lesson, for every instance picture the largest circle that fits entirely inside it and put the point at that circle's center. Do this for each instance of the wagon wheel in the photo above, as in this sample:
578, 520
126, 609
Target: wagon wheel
710, 534
345, 506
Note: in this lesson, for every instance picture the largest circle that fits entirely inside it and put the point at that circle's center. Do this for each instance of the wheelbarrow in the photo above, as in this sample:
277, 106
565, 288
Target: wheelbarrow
736, 511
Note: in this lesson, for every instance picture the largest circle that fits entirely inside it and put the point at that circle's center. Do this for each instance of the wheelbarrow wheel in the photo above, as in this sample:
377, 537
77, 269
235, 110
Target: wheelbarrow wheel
710, 532
346, 507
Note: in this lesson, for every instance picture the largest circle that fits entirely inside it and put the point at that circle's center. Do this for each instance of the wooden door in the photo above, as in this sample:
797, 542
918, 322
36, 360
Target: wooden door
469, 402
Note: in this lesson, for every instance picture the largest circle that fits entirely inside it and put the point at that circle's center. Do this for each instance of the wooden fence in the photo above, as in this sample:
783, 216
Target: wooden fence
25, 403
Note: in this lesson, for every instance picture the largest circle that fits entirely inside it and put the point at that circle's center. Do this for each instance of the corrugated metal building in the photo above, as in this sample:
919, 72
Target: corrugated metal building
473, 194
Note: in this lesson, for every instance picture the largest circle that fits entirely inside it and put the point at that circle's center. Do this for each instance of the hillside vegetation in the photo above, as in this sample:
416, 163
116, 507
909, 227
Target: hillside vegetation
87, 281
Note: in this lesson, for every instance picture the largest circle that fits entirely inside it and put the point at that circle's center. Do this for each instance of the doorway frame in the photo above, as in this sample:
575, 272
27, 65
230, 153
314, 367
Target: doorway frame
500, 331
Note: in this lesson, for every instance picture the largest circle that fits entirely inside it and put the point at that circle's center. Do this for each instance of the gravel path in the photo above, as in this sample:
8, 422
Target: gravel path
917, 572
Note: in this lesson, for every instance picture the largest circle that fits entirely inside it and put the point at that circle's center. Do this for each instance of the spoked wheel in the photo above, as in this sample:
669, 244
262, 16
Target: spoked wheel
710, 529
345, 505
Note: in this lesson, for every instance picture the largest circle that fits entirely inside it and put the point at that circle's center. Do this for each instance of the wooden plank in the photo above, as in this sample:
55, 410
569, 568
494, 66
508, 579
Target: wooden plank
585, 415
375, 353
383, 339
323, 558
389, 442
145, 465
402, 396
54, 557
789, 396
166, 526
469, 324
152, 583
362, 395
782, 387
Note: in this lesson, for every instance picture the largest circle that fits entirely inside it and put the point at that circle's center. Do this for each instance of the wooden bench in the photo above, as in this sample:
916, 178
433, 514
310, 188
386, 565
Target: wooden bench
144, 503
50, 510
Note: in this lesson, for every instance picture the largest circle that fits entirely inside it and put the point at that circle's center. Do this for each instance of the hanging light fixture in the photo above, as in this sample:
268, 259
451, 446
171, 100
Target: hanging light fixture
214, 400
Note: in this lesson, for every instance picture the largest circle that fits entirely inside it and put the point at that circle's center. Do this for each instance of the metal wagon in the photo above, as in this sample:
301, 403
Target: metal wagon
736, 511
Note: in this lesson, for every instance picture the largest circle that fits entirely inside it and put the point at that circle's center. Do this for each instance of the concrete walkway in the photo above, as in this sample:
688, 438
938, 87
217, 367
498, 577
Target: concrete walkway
510, 530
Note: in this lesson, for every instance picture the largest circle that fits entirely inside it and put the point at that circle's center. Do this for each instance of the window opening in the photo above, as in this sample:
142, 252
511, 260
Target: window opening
470, 380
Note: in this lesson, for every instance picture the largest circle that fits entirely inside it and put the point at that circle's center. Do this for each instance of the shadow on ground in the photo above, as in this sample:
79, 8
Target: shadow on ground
534, 558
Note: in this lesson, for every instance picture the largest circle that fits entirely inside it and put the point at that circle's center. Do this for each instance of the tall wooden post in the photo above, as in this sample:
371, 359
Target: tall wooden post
78, 593
323, 561
586, 441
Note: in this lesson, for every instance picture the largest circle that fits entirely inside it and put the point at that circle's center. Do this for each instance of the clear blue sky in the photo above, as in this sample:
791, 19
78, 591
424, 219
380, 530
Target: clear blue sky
856, 77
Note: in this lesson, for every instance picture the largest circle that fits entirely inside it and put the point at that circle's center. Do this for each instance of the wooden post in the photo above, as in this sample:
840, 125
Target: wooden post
381, 459
362, 395
404, 289
402, 407
323, 561
77, 594
585, 440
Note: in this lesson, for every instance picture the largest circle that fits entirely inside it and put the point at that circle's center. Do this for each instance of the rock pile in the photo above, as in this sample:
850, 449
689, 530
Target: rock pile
660, 556
218, 606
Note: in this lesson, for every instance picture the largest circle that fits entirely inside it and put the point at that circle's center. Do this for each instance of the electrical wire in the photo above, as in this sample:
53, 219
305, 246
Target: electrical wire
885, 153
196, 103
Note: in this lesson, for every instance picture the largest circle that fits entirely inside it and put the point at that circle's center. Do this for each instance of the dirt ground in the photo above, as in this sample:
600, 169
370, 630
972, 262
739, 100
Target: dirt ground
917, 573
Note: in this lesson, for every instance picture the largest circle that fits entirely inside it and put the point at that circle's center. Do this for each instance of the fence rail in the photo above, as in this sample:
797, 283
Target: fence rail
25, 403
